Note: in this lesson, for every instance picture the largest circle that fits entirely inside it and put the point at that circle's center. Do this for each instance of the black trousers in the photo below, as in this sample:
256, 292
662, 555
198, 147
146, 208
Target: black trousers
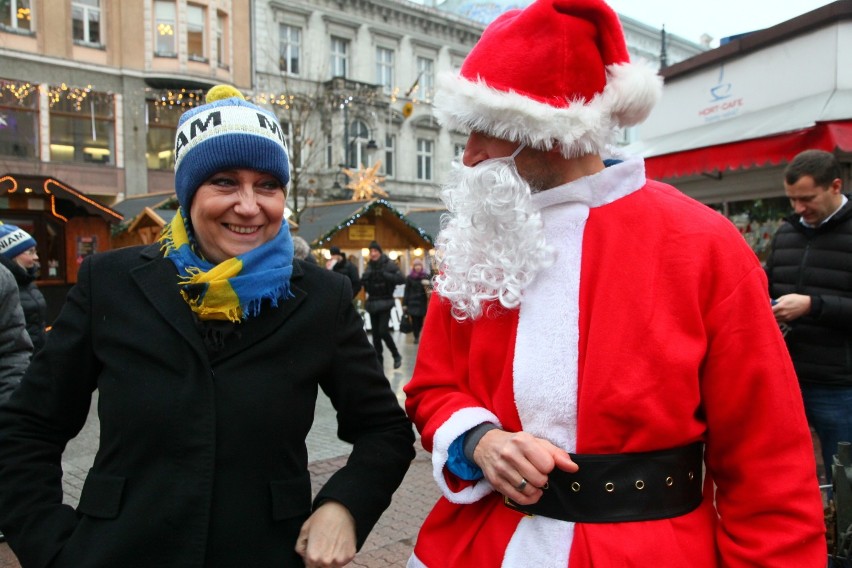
380, 323
416, 325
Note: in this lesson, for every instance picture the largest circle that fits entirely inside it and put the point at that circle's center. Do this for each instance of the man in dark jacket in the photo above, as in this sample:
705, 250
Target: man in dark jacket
810, 281
379, 280
339, 263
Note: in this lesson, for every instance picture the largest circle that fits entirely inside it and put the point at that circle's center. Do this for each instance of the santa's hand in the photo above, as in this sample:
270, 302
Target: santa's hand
327, 538
517, 463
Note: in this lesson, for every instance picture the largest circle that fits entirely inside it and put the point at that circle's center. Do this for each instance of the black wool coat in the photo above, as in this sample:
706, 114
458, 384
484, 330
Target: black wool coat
202, 459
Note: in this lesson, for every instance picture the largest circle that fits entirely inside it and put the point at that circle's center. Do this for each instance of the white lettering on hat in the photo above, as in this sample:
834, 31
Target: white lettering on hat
12, 238
225, 120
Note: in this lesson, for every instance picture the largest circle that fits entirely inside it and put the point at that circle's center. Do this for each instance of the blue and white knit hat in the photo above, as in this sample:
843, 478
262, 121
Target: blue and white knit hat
227, 132
14, 240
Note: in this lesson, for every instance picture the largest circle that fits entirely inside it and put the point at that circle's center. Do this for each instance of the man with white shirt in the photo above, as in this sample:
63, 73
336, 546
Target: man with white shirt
810, 278
600, 380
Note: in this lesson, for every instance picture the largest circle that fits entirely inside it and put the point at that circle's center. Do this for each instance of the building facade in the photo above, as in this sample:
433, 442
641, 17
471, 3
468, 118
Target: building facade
91, 90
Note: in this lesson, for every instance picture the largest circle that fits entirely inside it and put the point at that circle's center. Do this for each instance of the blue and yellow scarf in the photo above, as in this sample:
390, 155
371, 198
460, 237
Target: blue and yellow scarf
234, 289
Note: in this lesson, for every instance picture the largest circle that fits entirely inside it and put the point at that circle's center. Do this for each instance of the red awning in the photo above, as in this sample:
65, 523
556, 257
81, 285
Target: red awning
757, 152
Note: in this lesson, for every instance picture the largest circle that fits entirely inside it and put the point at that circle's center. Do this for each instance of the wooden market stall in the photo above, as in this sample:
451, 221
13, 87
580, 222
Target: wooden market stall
66, 224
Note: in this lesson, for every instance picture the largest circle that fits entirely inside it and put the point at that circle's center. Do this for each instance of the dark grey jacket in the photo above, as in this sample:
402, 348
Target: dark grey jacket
15, 344
818, 263
32, 302
202, 460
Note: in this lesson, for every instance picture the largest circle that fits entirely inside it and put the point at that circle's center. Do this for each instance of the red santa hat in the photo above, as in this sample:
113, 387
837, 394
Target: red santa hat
556, 74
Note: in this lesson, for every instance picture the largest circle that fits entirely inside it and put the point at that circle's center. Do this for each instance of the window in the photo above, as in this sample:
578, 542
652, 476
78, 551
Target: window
221, 40
390, 155
426, 72
18, 120
162, 119
290, 139
339, 57
424, 159
16, 14
384, 68
290, 56
86, 21
356, 151
458, 153
82, 126
196, 26
164, 29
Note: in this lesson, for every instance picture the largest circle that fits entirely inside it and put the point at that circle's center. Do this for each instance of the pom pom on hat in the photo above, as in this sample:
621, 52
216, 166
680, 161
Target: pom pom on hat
220, 92
556, 74
227, 132
14, 240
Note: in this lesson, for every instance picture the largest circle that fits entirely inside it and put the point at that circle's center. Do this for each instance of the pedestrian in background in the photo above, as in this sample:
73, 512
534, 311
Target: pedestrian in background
600, 379
302, 250
208, 349
15, 344
380, 278
414, 300
340, 264
18, 254
810, 279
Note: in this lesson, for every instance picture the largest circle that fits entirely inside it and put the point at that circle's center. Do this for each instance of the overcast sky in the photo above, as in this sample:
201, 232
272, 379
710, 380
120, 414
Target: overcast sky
717, 18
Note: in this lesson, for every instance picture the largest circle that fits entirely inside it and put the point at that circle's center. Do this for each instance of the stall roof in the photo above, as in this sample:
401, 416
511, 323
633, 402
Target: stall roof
133, 205
319, 221
56, 193
429, 220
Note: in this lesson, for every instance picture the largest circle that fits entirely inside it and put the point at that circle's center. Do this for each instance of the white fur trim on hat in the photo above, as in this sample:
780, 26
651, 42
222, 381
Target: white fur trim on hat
556, 74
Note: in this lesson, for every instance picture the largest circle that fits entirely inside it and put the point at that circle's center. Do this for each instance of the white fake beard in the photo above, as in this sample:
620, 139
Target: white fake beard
492, 243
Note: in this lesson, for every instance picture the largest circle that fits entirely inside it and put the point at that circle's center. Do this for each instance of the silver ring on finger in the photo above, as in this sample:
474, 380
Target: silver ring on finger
522, 485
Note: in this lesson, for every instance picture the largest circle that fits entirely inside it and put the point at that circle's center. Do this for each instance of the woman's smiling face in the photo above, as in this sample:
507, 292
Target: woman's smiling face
236, 211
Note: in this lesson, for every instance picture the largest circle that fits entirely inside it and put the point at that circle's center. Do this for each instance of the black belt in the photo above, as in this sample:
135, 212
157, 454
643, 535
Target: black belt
613, 488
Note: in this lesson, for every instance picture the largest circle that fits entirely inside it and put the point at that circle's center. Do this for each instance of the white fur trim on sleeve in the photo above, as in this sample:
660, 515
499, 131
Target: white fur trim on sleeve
459, 423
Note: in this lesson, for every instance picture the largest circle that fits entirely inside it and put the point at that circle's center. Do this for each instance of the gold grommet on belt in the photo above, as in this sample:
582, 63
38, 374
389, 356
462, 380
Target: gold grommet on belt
610, 487
669, 481
691, 475
575, 487
640, 485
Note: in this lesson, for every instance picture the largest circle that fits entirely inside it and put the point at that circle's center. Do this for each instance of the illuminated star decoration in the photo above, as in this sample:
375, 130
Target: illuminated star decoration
364, 182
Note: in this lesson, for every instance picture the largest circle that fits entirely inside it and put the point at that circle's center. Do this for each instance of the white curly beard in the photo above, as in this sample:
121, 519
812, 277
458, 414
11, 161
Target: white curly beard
492, 243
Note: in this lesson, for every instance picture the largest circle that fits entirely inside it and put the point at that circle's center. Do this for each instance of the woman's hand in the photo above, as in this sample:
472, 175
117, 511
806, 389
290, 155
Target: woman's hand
517, 463
327, 538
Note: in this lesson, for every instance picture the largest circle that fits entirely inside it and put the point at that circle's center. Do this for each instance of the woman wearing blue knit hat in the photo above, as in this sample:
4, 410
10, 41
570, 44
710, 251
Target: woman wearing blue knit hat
207, 349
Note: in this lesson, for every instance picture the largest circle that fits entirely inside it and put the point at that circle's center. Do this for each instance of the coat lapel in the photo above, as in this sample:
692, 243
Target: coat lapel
266, 322
158, 279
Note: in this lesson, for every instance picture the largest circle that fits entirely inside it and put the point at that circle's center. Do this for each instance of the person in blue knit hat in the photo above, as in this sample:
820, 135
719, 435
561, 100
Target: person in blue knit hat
18, 254
208, 349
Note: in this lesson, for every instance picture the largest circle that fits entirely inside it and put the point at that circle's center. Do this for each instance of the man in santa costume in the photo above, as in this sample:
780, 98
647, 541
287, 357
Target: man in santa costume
600, 381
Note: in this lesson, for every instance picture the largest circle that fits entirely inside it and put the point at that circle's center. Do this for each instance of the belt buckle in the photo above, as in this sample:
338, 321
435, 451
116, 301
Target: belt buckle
515, 507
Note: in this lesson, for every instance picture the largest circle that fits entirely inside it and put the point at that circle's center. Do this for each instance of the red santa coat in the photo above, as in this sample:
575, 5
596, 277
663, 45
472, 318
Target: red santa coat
652, 330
